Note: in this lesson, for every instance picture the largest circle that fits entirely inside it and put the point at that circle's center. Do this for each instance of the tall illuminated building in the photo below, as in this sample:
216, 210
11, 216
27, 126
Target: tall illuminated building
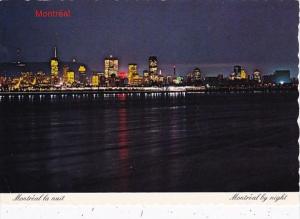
257, 76
197, 74
65, 73
153, 63
95, 80
111, 66
237, 71
132, 72
54, 62
70, 77
82, 75
243, 74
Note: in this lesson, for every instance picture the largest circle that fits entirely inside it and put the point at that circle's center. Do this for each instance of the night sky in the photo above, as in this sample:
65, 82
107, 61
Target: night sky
213, 35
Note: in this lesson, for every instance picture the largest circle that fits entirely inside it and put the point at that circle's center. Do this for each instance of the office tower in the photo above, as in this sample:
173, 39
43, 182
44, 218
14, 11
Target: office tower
237, 71
65, 74
82, 75
197, 74
243, 74
70, 77
132, 72
111, 66
153, 63
54, 67
257, 75
95, 80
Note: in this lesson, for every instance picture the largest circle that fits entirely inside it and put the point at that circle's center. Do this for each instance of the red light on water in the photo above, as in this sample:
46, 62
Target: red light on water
121, 97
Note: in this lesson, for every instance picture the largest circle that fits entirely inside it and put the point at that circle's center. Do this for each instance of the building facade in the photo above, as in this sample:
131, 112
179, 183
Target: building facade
82, 75
111, 66
153, 65
257, 76
54, 67
132, 72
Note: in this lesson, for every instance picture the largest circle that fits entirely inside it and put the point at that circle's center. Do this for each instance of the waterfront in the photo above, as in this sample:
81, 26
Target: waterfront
158, 142
148, 90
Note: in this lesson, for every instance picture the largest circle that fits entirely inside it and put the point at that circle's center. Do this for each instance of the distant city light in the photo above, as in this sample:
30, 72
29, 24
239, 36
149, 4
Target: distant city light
77, 76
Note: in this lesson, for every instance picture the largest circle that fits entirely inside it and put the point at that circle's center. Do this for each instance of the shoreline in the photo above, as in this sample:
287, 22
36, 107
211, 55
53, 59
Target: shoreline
125, 91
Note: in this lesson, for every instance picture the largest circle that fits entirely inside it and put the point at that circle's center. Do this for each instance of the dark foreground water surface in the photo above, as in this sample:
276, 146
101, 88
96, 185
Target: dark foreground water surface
149, 143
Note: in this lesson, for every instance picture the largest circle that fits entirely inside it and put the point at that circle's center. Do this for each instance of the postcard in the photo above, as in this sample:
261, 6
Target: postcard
187, 104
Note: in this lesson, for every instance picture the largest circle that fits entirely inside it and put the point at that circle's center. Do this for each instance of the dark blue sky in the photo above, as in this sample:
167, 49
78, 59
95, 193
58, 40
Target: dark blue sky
212, 34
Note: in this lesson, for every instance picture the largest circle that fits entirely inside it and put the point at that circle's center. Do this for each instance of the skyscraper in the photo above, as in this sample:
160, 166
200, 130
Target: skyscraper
65, 74
70, 78
111, 66
257, 75
82, 75
153, 63
243, 74
95, 80
197, 74
54, 68
237, 71
132, 72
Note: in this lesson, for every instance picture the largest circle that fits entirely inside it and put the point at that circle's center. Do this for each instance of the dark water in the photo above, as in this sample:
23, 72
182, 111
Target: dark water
152, 143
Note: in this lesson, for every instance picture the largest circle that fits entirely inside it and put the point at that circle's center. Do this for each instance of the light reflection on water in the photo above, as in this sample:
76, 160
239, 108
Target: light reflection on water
54, 97
148, 142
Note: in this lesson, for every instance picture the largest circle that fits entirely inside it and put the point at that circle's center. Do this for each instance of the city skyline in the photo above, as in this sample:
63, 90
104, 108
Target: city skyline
140, 68
133, 31
61, 75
